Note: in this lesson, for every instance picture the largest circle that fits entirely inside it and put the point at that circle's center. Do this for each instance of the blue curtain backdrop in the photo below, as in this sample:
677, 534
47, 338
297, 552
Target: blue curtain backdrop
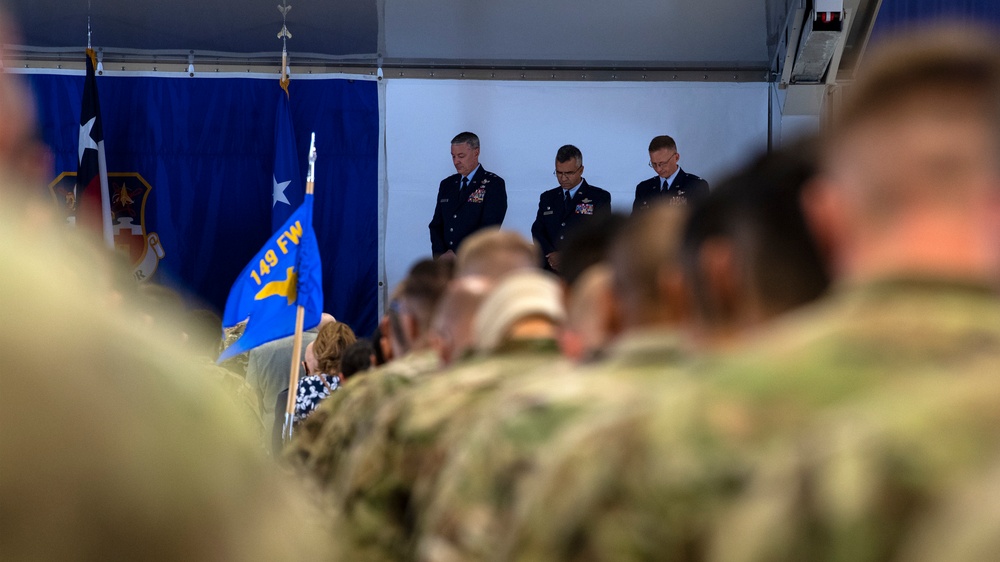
206, 146
899, 14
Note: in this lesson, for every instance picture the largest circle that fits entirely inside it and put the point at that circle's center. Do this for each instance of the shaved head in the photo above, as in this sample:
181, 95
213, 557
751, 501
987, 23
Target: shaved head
493, 253
451, 328
910, 177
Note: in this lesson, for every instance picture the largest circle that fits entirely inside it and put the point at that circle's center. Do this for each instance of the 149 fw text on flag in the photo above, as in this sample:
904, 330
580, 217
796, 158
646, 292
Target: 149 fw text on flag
284, 274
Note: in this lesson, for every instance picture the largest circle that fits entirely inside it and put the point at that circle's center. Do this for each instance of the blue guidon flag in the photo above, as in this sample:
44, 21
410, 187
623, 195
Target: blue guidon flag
285, 274
286, 180
92, 199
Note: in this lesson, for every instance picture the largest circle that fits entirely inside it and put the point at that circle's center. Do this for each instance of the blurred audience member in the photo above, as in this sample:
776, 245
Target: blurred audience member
748, 253
325, 377
515, 331
357, 358
525, 306
269, 366
327, 438
493, 253
590, 316
135, 456
451, 328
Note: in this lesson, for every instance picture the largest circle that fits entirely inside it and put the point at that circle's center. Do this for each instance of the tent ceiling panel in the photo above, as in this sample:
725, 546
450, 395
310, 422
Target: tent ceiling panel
334, 28
707, 34
671, 33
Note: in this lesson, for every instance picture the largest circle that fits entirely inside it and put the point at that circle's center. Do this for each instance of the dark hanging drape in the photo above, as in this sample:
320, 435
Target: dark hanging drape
896, 14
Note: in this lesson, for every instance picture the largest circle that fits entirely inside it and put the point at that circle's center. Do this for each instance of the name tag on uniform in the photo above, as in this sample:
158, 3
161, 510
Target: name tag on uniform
585, 209
443, 201
547, 212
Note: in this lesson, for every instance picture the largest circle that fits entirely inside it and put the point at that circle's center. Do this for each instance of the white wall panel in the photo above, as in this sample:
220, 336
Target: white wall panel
521, 125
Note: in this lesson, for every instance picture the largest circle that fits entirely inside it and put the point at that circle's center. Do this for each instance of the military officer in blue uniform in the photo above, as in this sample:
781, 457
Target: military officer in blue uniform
670, 181
560, 208
467, 201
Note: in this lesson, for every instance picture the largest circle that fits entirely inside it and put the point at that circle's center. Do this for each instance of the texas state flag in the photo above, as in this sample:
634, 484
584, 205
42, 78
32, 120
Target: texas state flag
93, 199
287, 183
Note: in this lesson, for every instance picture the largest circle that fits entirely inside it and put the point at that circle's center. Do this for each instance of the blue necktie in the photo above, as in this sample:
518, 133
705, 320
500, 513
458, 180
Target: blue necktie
465, 184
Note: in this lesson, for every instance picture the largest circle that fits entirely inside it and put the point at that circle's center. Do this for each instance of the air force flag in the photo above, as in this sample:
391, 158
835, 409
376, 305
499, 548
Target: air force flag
286, 181
284, 274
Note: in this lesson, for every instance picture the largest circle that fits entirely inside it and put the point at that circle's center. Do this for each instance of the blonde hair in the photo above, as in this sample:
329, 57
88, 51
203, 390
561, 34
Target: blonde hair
329, 346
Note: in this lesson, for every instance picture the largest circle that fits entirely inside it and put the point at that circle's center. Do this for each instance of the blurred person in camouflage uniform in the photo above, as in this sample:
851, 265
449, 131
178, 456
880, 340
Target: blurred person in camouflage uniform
115, 444
326, 438
889, 474
748, 253
332, 437
837, 432
590, 315
393, 473
490, 463
491, 254
587, 287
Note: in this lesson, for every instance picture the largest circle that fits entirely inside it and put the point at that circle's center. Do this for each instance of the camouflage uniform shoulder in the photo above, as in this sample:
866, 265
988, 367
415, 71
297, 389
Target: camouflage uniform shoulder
243, 397
495, 467
856, 340
414, 433
899, 470
648, 348
455, 394
343, 421
618, 477
649, 476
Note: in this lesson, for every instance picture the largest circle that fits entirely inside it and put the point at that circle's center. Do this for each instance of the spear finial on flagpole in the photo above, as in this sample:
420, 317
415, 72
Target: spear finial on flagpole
311, 176
284, 35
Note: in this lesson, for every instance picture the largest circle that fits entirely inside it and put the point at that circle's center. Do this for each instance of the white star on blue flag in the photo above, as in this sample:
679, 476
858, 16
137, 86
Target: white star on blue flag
287, 186
279, 192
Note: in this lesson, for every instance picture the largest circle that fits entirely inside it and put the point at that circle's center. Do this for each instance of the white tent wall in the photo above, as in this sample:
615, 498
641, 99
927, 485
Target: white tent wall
521, 124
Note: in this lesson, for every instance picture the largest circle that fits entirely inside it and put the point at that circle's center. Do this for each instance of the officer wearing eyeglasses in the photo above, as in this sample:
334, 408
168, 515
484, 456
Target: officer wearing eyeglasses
670, 181
560, 208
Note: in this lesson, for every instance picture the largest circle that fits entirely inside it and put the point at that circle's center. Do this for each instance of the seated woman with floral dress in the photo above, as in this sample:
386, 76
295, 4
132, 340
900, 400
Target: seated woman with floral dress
322, 367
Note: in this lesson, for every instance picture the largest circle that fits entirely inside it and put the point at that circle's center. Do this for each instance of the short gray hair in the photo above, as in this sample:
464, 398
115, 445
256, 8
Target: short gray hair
466, 138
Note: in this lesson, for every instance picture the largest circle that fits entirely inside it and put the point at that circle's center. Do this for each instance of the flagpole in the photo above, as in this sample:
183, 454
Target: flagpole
300, 314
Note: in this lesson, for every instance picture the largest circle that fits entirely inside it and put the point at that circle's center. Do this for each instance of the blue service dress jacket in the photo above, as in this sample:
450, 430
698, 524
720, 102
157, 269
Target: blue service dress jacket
553, 220
686, 188
459, 213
